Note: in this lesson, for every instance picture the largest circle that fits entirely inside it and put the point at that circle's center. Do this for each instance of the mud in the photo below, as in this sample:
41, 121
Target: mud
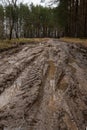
44, 87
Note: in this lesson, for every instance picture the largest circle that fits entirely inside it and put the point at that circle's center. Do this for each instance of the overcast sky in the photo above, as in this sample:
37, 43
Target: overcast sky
35, 2
30, 1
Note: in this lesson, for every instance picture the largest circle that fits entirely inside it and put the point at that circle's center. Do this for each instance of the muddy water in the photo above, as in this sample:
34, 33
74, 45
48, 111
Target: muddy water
51, 76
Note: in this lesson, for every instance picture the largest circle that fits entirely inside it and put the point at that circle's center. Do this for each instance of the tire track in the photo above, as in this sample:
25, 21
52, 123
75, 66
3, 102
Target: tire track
48, 90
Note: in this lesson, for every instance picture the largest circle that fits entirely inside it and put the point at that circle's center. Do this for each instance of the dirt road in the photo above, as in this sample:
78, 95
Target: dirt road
43, 86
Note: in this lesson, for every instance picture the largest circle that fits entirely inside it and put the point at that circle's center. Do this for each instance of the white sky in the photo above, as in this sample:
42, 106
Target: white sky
32, 1
29, 1
36, 2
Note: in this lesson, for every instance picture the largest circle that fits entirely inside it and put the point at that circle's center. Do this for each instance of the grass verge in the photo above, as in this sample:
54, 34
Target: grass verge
10, 43
74, 40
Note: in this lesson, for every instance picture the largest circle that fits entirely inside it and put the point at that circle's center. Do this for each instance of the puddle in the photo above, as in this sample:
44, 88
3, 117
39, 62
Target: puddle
64, 84
52, 69
51, 76
52, 83
51, 104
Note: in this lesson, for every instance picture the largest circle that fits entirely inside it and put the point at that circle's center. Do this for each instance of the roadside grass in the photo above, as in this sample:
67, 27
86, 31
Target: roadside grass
9, 43
74, 40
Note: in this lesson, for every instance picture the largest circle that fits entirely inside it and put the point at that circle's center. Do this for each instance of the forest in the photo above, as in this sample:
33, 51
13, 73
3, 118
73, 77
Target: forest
43, 65
68, 18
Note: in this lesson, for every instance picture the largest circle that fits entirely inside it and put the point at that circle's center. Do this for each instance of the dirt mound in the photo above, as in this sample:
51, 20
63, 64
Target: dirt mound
44, 87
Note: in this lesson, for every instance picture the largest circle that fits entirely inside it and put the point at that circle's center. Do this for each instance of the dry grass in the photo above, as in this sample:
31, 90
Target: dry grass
4, 45
10, 43
74, 40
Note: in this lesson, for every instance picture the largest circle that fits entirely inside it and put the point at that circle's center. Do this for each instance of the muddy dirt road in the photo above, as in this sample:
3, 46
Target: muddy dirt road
43, 86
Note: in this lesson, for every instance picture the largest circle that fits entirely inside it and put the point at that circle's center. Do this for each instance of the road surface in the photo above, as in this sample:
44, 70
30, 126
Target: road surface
43, 86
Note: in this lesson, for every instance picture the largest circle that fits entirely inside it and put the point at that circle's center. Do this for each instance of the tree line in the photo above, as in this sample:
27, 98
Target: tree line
69, 18
21, 20
72, 17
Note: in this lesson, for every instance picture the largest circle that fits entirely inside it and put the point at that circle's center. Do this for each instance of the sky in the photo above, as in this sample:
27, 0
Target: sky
35, 2
41, 2
29, 1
